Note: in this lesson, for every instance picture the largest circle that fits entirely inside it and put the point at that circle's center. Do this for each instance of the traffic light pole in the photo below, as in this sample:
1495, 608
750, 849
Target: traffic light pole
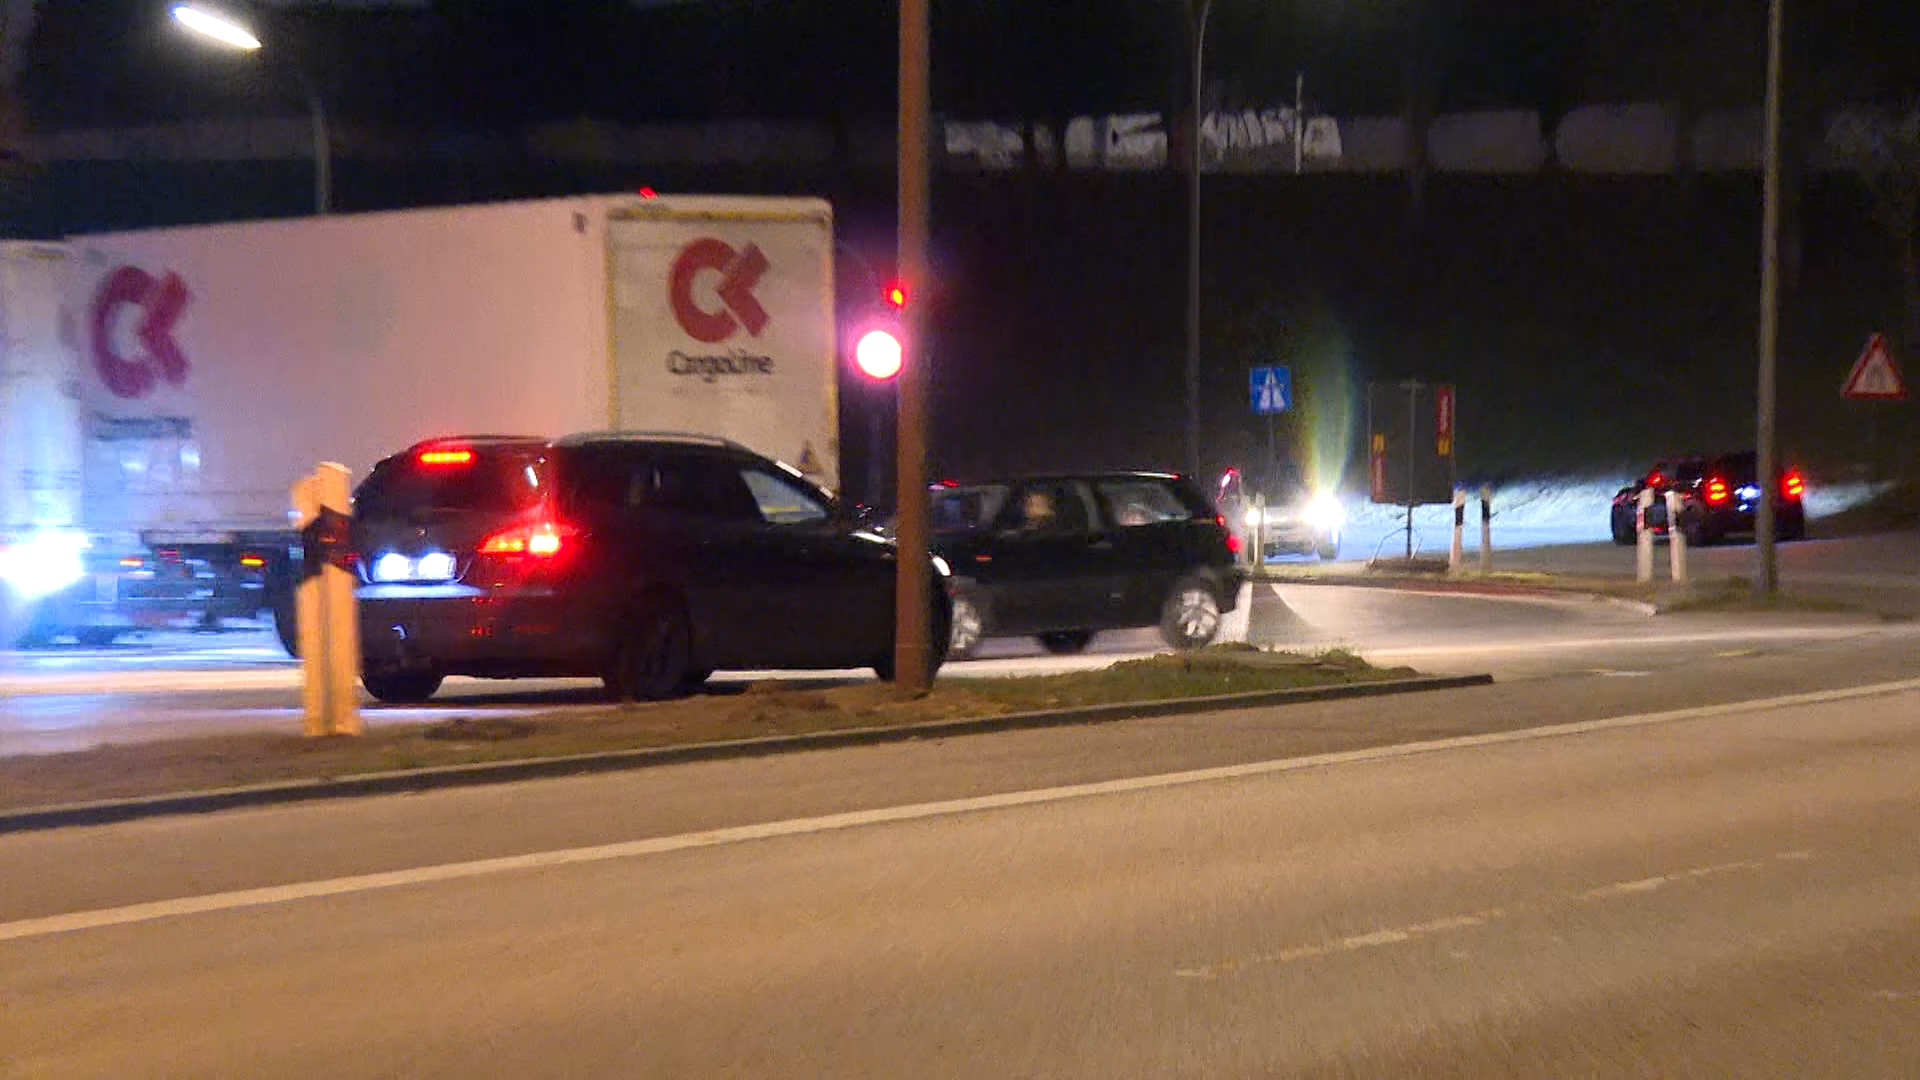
1767, 580
914, 582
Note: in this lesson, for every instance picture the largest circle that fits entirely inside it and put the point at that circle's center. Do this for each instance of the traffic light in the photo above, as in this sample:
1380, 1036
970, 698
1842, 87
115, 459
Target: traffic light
878, 354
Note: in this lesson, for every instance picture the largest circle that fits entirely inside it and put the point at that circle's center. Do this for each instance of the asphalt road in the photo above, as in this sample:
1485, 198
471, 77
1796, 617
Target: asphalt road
1727, 892
1887, 564
172, 688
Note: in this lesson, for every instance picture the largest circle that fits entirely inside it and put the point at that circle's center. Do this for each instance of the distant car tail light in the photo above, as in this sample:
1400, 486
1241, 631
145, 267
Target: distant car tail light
1655, 480
253, 562
537, 539
445, 458
1794, 485
1717, 491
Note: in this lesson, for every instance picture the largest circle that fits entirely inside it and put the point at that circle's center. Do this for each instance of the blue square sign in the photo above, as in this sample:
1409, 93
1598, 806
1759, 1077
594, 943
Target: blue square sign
1271, 389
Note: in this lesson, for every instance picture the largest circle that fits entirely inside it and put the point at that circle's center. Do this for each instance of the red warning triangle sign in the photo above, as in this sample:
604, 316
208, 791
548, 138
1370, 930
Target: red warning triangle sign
1875, 376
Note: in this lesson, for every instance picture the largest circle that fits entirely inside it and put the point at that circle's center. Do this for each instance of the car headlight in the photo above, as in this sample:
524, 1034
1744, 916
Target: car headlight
44, 564
1254, 518
941, 567
1325, 513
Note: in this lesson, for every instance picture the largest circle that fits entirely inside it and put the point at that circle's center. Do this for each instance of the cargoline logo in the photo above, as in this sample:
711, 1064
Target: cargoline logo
160, 301
740, 272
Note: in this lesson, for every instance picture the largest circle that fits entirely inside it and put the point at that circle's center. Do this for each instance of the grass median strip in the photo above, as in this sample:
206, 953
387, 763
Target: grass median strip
726, 713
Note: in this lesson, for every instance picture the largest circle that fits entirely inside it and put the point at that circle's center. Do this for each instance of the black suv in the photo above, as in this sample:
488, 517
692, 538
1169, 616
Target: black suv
649, 561
1060, 557
1720, 496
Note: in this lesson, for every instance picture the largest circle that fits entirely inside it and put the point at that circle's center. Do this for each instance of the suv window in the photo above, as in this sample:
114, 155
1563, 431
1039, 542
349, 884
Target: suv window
1132, 503
783, 501
967, 508
493, 481
1047, 508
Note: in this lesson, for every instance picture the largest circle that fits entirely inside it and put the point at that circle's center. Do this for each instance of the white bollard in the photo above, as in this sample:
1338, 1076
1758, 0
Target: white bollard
1455, 552
1257, 551
1643, 537
1676, 540
327, 618
1486, 528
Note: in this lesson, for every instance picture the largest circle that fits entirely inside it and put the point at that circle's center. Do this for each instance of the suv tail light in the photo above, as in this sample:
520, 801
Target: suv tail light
1717, 491
540, 539
1794, 485
445, 457
1233, 538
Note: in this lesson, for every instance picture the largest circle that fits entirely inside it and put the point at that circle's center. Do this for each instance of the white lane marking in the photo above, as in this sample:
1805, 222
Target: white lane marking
280, 894
1810, 633
1400, 935
1585, 601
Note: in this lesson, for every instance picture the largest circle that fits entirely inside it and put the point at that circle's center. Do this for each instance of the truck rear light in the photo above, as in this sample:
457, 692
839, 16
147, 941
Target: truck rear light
445, 458
1794, 485
539, 540
1717, 491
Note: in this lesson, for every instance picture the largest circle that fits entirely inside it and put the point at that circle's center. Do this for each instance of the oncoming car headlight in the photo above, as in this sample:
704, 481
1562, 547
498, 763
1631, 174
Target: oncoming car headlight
1325, 512
43, 564
941, 567
1254, 517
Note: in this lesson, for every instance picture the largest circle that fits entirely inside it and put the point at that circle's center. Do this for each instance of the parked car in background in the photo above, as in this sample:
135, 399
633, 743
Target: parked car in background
1060, 558
649, 561
1720, 498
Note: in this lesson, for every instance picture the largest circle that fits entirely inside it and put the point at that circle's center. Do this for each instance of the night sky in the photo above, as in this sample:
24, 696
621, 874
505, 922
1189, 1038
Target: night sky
492, 63
1560, 304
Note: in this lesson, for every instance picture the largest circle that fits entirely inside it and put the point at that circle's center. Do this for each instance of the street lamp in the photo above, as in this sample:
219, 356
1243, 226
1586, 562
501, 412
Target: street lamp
1198, 24
228, 32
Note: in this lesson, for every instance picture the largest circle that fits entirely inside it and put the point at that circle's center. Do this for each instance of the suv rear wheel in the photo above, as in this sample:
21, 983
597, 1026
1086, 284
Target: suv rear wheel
1191, 615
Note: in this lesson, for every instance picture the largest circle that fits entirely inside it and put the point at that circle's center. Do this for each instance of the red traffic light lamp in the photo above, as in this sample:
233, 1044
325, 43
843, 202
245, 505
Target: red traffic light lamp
879, 355
895, 295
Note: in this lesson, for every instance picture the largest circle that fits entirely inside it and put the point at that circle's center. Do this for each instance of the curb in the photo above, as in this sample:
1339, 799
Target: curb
408, 781
1443, 587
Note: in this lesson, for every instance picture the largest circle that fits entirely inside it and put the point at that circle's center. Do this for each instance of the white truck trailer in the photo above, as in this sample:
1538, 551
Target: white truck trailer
214, 365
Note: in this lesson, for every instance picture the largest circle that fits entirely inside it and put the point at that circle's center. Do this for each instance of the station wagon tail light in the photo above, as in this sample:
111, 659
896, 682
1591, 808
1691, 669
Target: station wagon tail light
1794, 485
537, 540
1717, 492
445, 458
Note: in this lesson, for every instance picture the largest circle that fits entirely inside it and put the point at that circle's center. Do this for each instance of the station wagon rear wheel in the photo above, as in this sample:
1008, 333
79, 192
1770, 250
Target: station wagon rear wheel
401, 687
654, 661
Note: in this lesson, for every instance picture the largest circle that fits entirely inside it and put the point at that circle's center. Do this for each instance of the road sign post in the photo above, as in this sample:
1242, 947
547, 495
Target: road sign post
1411, 433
